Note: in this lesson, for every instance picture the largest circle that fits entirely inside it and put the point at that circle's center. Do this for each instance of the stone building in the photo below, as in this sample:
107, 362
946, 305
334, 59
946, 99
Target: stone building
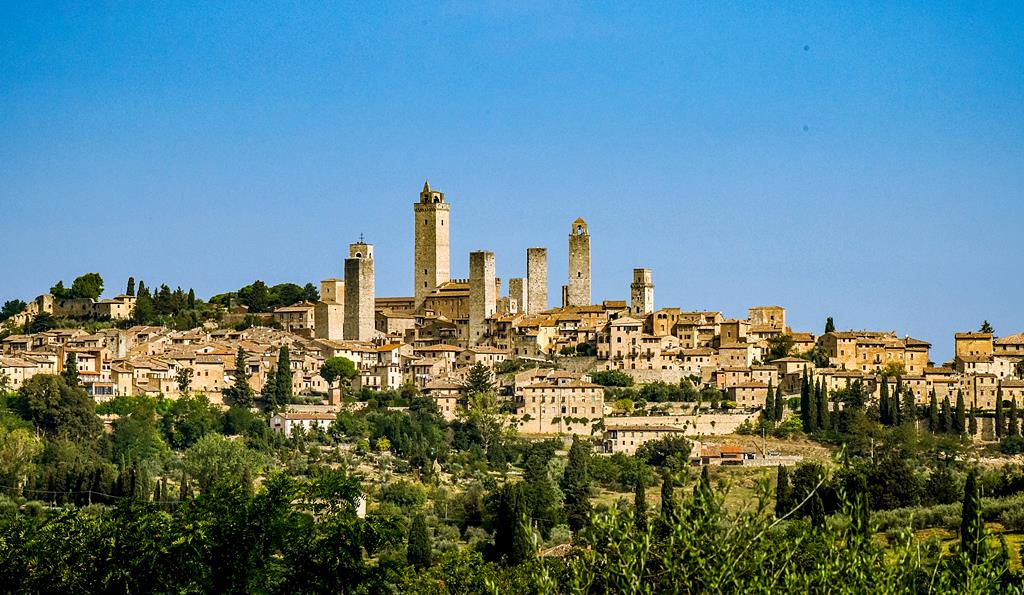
641, 294
518, 291
482, 294
359, 293
578, 289
329, 313
432, 258
536, 280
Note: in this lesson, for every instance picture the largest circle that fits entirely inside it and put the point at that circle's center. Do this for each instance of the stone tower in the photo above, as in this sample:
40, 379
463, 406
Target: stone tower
536, 280
517, 292
579, 265
359, 292
482, 295
641, 293
433, 253
329, 313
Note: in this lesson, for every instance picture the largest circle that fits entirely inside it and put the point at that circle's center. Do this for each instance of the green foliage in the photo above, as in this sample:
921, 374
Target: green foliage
1012, 445
576, 484
215, 458
136, 438
513, 541
188, 419
611, 378
671, 451
779, 346
44, 321
12, 308
70, 371
418, 551
972, 526
479, 380
258, 297
59, 409
240, 393
89, 285
338, 369
283, 379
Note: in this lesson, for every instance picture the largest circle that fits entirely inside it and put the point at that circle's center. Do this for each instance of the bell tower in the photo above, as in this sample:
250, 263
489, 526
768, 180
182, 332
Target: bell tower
432, 258
578, 290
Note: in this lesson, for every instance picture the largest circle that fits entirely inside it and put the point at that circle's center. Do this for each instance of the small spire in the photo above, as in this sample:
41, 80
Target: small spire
426, 186
361, 238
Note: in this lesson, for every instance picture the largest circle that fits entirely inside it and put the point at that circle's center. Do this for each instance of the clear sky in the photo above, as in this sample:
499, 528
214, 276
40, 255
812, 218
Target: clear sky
858, 160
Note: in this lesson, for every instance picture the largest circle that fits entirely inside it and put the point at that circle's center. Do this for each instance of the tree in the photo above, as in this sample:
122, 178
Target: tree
768, 411
972, 526
240, 393
1013, 429
283, 382
310, 293
946, 420
70, 371
933, 412
256, 297
89, 285
640, 502
779, 404
184, 380
1000, 416
783, 503
884, 405
669, 512
972, 422
19, 449
59, 409
42, 322
909, 406
822, 408
959, 414
418, 552
191, 299
780, 346
813, 398
189, 419
130, 290
986, 327
830, 326
215, 458
805, 403
136, 437
12, 308
479, 380
513, 543
338, 368
612, 378
576, 485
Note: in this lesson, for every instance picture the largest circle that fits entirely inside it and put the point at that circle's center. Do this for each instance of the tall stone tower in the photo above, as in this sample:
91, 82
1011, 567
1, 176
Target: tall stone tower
359, 292
482, 294
517, 292
536, 280
579, 265
641, 293
433, 250
329, 312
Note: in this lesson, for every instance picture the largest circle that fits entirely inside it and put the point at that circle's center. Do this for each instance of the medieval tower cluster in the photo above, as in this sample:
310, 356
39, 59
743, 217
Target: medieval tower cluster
347, 309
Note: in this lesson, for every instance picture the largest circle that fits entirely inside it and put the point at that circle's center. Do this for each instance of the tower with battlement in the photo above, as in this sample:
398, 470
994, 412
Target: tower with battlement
432, 258
578, 289
359, 292
641, 293
536, 280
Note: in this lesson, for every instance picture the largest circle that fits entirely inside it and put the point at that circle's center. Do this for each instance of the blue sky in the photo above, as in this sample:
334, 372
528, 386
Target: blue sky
861, 161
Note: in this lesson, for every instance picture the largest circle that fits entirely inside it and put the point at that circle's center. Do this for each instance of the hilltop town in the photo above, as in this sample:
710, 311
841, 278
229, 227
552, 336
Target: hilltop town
556, 363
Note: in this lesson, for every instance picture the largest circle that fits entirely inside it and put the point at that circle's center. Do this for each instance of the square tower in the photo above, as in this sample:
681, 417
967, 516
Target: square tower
517, 289
329, 313
482, 294
641, 293
578, 293
432, 257
536, 280
359, 292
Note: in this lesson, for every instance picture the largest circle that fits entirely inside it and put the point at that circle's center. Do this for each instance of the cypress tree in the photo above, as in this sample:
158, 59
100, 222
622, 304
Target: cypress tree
782, 492
513, 541
933, 412
240, 392
668, 499
418, 553
768, 412
576, 485
972, 527
779, 404
1013, 429
191, 299
823, 413
909, 406
805, 402
946, 423
884, 409
640, 502
817, 510
812, 405
972, 423
860, 505
894, 402
830, 326
270, 400
130, 290
959, 419
1000, 418
284, 377
70, 371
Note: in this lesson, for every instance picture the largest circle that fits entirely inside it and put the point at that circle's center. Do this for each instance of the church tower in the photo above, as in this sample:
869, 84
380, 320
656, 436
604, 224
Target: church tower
578, 290
432, 256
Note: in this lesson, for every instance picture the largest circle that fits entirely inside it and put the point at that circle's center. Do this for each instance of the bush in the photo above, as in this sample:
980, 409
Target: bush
1012, 445
1012, 519
612, 378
